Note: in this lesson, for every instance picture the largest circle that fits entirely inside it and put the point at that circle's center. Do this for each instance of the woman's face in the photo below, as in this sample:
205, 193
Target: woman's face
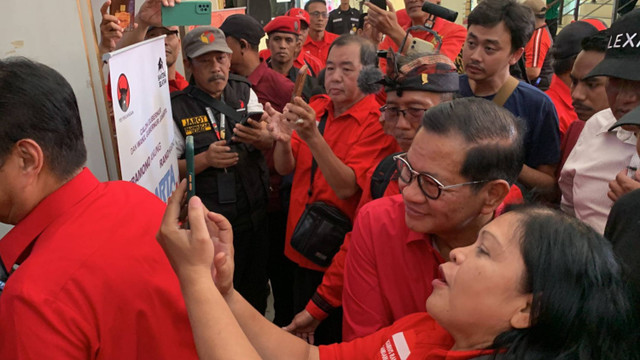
479, 294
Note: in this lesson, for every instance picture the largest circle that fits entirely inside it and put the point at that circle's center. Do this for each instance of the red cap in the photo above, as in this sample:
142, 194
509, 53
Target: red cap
286, 24
299, 13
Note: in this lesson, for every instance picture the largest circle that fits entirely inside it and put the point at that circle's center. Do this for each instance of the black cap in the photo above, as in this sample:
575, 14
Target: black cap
241, 27
568, 41
630, 118
621, 60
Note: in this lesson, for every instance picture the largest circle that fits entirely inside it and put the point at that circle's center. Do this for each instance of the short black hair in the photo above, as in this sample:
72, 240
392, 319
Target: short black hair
563, 66
580, 307
494, 133
596, 42
368, 50
517, 18
37, 103
306, 6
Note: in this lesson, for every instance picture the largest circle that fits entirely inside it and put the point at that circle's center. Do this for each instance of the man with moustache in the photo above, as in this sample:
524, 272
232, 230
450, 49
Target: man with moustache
604, 159
231, 176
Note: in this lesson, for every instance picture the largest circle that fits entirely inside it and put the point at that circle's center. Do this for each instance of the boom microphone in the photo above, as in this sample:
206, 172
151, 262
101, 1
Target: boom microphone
439, 11
370, 80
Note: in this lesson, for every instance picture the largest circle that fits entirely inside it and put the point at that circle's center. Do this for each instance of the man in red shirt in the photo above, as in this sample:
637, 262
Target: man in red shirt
319, 40
537, 63
453, 35
352, 142
84, 276
564, 51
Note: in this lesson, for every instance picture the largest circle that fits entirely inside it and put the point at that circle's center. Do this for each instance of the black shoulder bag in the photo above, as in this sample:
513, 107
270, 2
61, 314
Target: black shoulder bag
322, 227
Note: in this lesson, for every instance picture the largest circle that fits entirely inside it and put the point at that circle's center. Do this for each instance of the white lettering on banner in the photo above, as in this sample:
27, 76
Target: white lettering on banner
164, 189
628, 42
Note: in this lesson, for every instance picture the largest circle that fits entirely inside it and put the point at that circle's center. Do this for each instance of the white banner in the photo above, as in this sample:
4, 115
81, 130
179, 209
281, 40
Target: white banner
143, 120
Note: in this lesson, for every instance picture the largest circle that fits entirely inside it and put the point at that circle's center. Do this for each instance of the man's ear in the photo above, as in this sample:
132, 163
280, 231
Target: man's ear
515, 56
522, 318
31, 157
496, 191
187, 63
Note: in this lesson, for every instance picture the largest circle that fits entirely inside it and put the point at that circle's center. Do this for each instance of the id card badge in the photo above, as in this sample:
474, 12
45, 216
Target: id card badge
226, 187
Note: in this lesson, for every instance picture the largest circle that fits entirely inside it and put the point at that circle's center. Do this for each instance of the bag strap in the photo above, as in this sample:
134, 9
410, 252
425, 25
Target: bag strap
382, 175
216, 104
505, 91
314, 165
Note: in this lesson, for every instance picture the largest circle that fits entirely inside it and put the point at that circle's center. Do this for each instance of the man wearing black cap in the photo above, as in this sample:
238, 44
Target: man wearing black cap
231, 176
564, 51
243, 34
601, 152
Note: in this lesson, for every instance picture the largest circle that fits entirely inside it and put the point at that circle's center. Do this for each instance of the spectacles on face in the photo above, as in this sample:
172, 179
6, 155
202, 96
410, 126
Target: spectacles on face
317, 14
392, 114
430, 186
151, 35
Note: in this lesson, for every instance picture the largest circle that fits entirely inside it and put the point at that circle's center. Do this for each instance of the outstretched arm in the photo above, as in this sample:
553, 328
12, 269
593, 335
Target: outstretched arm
202, 255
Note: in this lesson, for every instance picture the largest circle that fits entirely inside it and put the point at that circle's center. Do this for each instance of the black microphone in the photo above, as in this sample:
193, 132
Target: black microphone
439, 11
369, 80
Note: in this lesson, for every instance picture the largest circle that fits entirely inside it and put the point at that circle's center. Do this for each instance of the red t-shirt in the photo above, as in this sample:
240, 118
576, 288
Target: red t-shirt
537, 48
357, 139
452, 34
414, 337
96, 285
560, 95
319, 49
179, 83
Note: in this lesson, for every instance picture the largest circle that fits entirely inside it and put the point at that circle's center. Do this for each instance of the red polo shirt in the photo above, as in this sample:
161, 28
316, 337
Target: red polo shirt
319, 49
271, 86
179, 83
452, 34
357, 139
414, 337
96, 284
560, 95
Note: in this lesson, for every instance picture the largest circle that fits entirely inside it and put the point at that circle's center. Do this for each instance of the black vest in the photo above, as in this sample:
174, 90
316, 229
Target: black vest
250, 173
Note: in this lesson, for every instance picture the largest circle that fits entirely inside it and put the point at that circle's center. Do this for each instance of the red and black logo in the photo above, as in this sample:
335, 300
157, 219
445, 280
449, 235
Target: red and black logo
124, 96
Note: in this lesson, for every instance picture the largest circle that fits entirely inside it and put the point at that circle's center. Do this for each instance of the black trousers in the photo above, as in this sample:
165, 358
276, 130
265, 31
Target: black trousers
250, 279
280, 269
305, 283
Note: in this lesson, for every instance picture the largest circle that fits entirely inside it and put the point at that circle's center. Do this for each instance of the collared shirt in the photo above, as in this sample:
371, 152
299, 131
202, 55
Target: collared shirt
542, 137
96, 285
179, 83
388, 270
414, 337
343, 22
599, 155
357, 139
452, 34
319, 49
560, 95
271, 86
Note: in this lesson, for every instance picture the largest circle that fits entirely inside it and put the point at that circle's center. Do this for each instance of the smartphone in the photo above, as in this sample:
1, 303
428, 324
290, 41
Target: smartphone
382, 4
299, 85
125, 11
187, 13
191, 174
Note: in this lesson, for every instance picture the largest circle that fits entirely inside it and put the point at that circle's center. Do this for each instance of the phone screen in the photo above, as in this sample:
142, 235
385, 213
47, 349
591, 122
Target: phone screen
382, 4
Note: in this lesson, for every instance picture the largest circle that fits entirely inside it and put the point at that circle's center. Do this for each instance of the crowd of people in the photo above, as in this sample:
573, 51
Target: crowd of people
404, 187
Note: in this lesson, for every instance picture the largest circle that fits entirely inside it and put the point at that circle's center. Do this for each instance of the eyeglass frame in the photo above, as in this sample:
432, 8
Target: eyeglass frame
386, 107
316, 14
415, 174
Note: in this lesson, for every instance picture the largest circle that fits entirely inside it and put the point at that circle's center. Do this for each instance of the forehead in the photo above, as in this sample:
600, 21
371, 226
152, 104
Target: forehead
439, 155
585, 62
281, 35
347, 53
499, 33
317, 6
503, 230
426, 99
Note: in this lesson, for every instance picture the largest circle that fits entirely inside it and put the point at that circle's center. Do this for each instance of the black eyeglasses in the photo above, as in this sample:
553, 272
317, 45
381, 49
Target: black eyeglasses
430, 186
392, 114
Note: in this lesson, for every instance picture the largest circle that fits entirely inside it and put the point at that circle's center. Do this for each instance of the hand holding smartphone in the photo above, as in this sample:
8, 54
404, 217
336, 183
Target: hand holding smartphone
191, 181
